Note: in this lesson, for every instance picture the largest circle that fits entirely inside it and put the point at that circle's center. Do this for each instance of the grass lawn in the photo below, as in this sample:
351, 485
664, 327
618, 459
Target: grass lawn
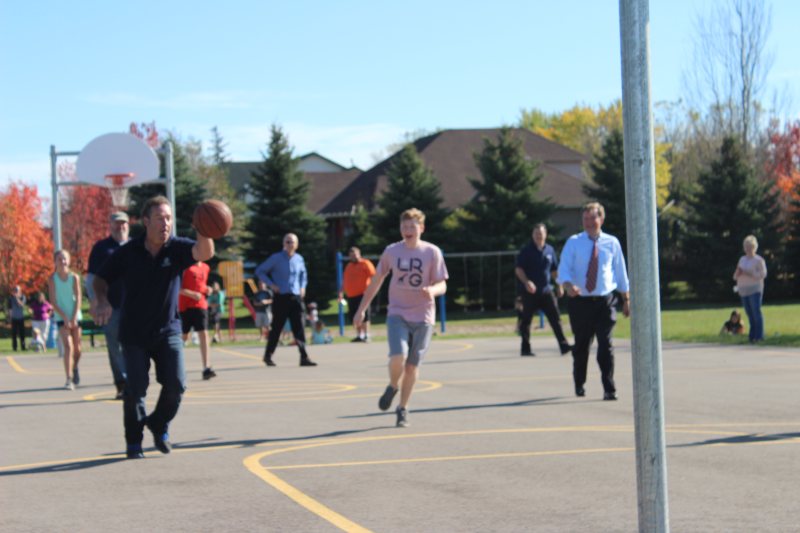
687, 323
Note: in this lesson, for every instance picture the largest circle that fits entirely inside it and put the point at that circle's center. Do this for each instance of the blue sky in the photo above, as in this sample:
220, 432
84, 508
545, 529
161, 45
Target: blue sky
344, 78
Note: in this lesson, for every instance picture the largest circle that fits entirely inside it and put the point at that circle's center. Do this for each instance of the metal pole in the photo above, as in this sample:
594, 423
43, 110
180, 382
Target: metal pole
339, 287
56, 207
169, 165
651, 469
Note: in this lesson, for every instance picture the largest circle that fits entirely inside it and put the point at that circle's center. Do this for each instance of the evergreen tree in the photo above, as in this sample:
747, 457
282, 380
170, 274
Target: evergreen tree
280, 191
507, 204
362, 234
608, 171
190, 190
410, 184
218, 145
729, 203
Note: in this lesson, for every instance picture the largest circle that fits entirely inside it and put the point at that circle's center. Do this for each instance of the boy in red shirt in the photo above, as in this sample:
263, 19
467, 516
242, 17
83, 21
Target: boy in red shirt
193, 307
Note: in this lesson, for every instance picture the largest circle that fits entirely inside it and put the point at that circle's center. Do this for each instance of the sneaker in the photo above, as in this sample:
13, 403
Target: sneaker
386, 399
307, 362
209, 373
76, 376
527, 353
160, 440
120, 391
567, 348
268, 361
357, 339
402, 417
610, 396
134, 451
69, 385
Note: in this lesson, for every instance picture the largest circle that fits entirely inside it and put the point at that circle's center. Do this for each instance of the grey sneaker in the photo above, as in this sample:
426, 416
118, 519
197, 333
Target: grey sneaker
386, 399
402, 417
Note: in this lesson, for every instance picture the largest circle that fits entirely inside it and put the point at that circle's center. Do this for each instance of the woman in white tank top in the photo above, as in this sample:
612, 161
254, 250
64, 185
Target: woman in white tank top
65, 294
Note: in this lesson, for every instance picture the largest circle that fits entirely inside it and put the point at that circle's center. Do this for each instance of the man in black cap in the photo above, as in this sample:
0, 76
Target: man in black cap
101, 251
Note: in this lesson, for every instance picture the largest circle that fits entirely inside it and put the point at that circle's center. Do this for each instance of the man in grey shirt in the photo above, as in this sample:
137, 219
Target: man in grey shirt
16, 312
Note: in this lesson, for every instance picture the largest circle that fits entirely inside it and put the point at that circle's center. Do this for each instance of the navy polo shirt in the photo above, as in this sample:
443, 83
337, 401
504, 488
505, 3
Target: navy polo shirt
151, 285
101, 251
537, 265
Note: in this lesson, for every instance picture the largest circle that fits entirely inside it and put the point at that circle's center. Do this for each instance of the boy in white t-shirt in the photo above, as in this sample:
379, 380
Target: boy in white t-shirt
418, 276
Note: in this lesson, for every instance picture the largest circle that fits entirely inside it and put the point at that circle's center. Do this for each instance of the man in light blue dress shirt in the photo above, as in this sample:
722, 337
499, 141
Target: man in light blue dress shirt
594, 287
285, 273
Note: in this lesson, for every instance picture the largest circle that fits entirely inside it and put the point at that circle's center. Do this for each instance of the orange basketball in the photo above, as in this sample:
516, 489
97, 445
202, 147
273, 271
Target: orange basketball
212, 219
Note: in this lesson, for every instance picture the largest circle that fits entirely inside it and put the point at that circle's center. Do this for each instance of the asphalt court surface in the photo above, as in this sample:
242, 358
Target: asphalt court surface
497, 442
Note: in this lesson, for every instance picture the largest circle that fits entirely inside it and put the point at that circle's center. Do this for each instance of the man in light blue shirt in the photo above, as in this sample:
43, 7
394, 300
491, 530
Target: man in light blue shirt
593, 273
285, 273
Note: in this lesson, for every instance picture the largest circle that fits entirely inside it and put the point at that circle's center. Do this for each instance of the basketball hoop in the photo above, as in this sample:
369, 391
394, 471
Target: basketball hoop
118, 187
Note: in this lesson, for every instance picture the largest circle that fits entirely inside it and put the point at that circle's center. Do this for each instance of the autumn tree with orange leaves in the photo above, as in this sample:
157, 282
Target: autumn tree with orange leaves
26, 246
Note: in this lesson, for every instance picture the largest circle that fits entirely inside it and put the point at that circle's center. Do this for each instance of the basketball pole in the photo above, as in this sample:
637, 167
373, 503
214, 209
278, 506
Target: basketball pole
640, 201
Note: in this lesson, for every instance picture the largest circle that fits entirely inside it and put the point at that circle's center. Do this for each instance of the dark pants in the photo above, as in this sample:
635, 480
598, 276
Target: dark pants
593, 316
287, 307
18, 330
167, 354
546, 301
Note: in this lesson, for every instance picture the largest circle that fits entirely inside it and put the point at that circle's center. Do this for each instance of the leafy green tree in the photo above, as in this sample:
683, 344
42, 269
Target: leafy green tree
280, 191
507, 203
410, 184
792, 255
608, 187
729, 203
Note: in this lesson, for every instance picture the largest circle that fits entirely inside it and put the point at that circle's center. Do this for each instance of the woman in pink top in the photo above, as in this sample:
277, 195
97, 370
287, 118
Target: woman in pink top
749, 276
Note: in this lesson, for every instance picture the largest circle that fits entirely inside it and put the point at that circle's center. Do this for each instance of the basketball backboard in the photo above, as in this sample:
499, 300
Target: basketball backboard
117, 154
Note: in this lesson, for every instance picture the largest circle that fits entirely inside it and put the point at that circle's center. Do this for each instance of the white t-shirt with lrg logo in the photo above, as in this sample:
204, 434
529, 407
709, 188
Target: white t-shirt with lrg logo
412, 270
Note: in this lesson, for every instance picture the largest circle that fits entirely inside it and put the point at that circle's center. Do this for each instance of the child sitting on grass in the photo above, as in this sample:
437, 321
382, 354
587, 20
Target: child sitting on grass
320, 334
734, 325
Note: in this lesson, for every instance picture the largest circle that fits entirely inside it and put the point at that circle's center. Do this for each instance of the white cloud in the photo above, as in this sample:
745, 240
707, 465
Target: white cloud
354, 144
192, 100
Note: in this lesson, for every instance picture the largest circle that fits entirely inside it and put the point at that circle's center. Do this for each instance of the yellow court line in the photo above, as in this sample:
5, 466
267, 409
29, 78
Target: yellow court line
446, 458
253, 462
15, 365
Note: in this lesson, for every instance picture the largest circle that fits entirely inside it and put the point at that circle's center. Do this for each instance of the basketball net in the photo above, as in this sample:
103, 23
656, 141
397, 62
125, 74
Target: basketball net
117, 186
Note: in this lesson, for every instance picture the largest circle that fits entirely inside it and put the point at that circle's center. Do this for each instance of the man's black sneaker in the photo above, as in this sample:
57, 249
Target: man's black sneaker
209, 373
268, 361
134, 451
402, 417
120, 391
160, 439
527, 353
357, 339
76, 376
566, 349
307, 362
385, 401
610, 396
580, 391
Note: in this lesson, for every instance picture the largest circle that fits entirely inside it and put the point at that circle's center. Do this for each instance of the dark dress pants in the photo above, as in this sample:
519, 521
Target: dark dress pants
546, 301
589, 317
287, 307
167, 354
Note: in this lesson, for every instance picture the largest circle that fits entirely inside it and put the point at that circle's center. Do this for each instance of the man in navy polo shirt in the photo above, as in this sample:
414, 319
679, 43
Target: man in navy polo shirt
536, 263
150, 268
101, 251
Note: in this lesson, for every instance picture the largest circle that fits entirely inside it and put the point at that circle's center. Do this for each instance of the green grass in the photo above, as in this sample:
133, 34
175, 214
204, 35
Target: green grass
686, 323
